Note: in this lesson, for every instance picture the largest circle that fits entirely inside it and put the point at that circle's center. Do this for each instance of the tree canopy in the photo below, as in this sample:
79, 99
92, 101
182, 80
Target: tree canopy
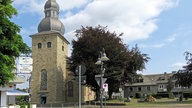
184, 76
123, 62
11, 43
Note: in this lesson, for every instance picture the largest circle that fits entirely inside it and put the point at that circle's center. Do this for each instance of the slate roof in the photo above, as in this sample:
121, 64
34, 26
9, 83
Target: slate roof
152, 79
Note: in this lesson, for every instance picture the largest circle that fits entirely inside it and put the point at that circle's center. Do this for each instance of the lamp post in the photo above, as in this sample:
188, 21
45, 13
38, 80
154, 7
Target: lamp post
102, 57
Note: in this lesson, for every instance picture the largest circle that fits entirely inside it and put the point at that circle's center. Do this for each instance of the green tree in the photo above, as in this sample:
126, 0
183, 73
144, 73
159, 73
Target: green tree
11, 43
170, 86
184, 76
131, 62
90, 41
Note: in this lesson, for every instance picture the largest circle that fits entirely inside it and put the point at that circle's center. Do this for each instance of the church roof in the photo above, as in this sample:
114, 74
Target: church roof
51, 21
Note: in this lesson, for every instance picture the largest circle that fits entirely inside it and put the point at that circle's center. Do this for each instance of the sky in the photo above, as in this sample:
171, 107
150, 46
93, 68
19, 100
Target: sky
161, 28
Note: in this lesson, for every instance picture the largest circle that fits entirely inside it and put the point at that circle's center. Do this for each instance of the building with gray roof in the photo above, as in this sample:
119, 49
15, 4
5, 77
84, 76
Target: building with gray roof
154, 84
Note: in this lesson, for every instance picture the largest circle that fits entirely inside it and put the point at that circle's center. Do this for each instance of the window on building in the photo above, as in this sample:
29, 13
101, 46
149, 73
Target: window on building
177, 86
148, 88
62, 48
39, 45
70, 89
48, 44
161, 86
131, 89
43, 80
139, 88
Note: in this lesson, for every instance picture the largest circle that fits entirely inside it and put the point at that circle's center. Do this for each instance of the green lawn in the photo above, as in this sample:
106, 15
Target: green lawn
158, 102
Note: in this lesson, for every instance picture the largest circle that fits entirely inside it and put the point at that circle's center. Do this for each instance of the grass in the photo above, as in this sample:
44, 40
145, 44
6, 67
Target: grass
158, 102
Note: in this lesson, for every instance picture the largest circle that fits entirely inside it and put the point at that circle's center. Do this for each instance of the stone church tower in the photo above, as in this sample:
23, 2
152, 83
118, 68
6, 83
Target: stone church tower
49, 52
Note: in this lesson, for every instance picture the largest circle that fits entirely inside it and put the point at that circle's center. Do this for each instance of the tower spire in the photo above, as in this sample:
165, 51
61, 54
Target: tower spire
51, 9
51, 21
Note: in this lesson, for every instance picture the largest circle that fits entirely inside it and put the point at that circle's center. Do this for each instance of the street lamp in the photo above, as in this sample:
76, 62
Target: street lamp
102, 57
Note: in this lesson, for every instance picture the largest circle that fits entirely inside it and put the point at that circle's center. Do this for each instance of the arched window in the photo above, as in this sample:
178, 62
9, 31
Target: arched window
70, 89
43, 80
48, 44
39, 45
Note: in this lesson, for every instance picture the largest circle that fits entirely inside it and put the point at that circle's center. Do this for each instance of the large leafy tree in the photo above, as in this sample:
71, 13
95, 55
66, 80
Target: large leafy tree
11, 43
184, 76
123, 62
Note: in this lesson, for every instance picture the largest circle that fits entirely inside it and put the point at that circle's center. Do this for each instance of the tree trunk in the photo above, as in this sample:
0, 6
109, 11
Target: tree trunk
97, 94
110, 94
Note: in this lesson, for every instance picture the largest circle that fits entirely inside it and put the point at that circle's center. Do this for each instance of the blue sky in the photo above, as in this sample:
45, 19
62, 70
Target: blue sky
161, 28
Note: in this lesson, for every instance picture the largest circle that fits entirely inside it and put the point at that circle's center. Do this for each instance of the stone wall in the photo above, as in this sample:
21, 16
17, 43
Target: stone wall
53, 60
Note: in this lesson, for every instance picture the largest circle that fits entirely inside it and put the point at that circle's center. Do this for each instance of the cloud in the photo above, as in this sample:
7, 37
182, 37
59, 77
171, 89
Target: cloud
26, 32
135, 18
72, 5
164, 42
152, 46
37, 6
29, 6
170, 38
178, 65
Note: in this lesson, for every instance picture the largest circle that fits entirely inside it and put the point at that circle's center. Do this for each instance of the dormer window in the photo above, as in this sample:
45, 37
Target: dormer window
140, 80
161, 78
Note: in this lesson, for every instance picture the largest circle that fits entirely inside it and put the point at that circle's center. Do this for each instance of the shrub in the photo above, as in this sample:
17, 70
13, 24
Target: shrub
171, 95
150, 98
138, 95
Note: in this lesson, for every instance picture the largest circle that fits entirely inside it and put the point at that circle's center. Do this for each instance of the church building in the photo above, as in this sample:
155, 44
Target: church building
50, 80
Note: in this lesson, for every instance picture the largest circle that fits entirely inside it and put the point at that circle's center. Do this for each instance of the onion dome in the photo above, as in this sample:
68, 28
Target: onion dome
51, 21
